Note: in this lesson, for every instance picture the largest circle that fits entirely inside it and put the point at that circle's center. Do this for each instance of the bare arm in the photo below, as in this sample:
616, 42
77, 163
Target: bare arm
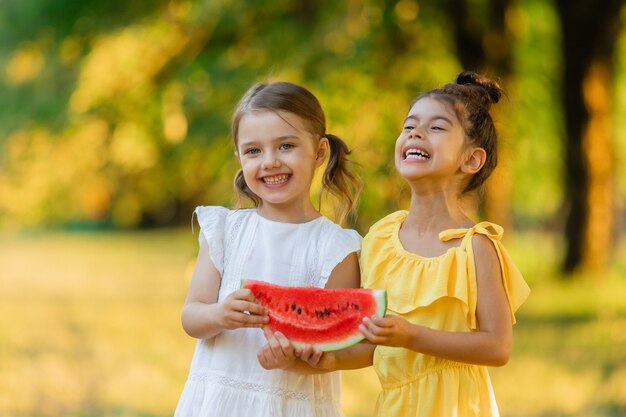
490, 345
360, 355
346, 274
202, 316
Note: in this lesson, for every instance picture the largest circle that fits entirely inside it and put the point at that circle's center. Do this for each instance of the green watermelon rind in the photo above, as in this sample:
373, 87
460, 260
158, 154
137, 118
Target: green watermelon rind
381, 308
380, 297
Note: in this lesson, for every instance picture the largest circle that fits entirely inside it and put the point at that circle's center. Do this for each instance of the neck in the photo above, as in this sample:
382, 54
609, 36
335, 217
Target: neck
433, 212
288, 213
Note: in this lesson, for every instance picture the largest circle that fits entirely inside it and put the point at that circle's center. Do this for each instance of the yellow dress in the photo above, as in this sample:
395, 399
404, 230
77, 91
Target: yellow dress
440, 293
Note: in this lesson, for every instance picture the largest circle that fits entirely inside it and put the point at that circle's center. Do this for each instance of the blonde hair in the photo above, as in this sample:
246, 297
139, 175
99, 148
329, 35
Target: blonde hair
338, 179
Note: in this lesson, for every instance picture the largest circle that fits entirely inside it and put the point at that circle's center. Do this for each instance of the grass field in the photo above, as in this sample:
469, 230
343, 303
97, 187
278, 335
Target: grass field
89, 327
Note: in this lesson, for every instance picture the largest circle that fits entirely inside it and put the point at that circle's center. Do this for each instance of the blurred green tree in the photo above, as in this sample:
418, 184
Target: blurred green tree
117, 115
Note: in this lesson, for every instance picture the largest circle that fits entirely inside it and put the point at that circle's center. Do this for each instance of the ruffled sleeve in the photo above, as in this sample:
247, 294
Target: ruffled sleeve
212, 221
515, 287
341, 243
377, 251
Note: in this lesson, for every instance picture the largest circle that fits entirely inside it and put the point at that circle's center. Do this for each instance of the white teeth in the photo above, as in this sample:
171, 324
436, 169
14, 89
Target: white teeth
416, 154
277, 179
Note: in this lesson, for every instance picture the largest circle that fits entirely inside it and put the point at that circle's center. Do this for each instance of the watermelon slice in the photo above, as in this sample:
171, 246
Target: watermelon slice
326, 319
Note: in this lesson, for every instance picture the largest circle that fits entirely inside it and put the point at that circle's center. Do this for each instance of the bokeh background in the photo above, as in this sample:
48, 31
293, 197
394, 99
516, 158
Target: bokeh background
114, 125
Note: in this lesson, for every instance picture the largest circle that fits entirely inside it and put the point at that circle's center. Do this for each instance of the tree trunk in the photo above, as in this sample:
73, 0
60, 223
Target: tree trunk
589, 33
485, 47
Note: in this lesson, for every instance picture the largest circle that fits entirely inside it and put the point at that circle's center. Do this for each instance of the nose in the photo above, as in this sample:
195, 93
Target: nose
416, 133
270, 161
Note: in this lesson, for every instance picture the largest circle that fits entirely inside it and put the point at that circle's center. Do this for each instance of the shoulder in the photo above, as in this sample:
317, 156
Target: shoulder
335, 245
207, 214
387, 223
483, 247
216, 222
337, 234
486, 249
484, 236
203, 212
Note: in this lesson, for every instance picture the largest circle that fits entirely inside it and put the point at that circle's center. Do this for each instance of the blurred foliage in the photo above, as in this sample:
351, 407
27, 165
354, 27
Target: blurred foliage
116, 114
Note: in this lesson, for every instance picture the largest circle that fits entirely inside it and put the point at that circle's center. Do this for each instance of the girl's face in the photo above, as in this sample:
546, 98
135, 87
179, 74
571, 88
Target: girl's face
431, 145
278, 157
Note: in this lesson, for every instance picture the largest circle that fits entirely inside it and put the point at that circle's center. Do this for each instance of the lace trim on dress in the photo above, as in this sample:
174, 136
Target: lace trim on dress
248, 386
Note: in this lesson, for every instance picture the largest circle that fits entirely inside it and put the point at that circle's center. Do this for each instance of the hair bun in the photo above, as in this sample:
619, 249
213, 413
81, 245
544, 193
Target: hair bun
490, 89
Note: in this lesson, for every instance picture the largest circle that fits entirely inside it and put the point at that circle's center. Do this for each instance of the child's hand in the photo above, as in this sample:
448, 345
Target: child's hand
388, 331
278, 353
317, 358
240, 309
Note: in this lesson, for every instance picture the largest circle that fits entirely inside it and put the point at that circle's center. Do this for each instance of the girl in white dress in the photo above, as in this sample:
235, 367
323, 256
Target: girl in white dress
280, 138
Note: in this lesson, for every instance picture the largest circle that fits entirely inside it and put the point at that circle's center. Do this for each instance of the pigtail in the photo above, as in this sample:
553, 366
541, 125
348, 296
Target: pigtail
242, 191
339, 180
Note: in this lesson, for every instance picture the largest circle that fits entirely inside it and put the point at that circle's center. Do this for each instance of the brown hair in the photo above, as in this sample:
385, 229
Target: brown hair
337, 179
471, 96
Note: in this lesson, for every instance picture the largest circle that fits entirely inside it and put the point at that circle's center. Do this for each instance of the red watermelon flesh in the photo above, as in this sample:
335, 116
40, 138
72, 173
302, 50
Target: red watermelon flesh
326, 319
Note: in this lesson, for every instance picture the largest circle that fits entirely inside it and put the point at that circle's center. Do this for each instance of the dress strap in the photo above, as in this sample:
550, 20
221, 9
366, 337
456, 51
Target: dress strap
491, 230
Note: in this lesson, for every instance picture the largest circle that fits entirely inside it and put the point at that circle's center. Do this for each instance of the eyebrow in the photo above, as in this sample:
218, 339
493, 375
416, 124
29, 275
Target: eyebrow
432, 119
277, 139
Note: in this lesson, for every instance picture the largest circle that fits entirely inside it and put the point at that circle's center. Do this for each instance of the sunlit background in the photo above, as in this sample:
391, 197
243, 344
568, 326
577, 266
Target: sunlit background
114, 125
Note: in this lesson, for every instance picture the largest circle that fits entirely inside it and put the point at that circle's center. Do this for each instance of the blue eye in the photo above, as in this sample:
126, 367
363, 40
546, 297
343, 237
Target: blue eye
286, 146
252, 151
408, 127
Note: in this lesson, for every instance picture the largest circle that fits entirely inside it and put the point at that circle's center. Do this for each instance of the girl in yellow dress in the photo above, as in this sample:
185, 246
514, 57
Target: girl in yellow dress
452, 288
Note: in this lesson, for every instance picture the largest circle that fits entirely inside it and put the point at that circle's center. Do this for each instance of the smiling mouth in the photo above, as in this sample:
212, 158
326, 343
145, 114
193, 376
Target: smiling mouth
419, 154
275, 179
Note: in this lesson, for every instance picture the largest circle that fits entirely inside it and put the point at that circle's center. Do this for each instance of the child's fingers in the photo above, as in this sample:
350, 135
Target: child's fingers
248, 306
310, 355
378, 321
305, 353
315, 358
369, 335
372, 332
244, 300
267, 359
243, 294
262, 356
247, 320
373, 327
285, 344
279, 351
268, 334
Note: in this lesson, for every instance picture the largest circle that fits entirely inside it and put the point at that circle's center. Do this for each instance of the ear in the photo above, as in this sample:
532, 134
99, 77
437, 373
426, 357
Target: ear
322, 150
474, 161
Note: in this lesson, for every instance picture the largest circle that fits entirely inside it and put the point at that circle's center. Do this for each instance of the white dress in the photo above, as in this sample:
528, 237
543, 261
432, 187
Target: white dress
225, 378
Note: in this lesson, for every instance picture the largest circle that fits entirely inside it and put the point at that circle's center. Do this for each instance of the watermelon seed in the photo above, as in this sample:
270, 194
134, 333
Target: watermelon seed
356, 306
299, 310
293, 306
